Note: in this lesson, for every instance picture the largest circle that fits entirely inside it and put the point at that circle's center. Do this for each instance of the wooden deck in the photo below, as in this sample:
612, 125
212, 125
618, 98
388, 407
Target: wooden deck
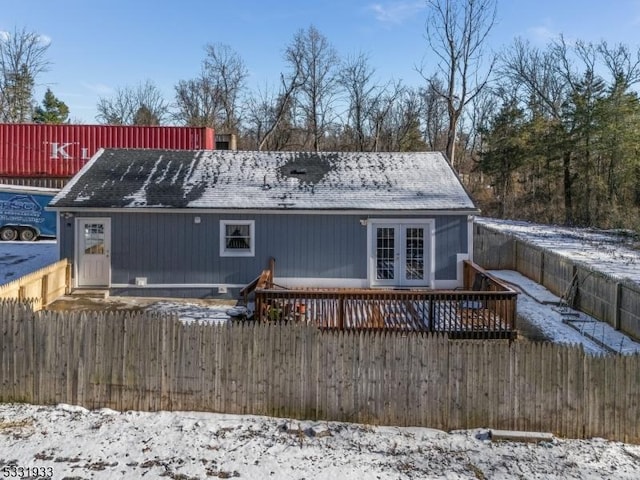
460, 313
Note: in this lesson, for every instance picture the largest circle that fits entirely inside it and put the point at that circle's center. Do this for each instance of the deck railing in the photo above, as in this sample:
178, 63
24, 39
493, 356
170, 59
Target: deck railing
486, 313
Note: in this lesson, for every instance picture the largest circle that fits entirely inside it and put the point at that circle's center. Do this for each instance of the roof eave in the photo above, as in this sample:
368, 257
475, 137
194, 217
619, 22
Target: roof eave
270, 211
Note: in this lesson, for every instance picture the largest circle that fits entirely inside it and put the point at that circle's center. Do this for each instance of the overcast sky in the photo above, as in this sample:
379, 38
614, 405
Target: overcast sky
99, 45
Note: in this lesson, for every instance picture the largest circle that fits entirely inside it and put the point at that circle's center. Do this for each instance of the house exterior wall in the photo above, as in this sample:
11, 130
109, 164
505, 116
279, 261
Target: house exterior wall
171, 249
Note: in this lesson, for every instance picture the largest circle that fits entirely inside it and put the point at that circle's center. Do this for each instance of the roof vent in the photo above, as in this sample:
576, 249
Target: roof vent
298, 171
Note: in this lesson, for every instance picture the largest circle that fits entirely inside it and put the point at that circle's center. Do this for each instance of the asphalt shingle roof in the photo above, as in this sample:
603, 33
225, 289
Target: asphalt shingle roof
120, 178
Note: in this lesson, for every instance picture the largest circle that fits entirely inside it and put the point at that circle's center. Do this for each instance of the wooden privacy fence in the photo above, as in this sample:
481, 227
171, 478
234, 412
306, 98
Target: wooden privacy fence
146, 362
40, 287
602, 296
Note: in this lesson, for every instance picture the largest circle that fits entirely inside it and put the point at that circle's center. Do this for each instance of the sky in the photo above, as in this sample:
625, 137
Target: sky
97, 46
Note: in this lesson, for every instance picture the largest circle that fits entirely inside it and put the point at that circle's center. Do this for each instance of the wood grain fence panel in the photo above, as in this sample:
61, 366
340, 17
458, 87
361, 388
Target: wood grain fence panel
573, 409
493, 250
151, 363
330, 374
43, 285
558, 273
596, 387
423, 405
630, 310
529, 261
632, 409
596, 295
518, 367
455, 386
313, 372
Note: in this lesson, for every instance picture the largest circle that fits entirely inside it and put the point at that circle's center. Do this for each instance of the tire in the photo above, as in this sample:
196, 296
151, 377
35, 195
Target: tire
8, 234
28, 235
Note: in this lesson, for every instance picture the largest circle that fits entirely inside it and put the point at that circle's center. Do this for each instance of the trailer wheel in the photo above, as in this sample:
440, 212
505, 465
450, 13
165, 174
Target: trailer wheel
27, 235
8, 234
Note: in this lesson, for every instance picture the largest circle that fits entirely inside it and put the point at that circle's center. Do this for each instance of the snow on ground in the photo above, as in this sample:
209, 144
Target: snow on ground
211, 313
104, 444
20, 258
611, 252
540, 308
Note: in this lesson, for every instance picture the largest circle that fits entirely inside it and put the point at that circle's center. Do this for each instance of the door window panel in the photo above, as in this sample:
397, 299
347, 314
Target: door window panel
385, 253
414, 254
94, 239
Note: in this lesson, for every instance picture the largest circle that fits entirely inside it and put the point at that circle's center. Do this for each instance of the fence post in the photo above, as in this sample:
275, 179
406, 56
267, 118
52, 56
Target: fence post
341, 312
616, 307
44, 289
67, 281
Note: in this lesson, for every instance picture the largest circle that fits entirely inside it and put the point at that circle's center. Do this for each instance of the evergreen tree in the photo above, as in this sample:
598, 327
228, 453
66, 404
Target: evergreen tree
22, 59
144, 116
18, 92
53, 110
506, 147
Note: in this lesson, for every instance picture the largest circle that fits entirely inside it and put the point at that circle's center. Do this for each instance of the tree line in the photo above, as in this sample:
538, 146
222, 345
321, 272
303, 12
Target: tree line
549, 134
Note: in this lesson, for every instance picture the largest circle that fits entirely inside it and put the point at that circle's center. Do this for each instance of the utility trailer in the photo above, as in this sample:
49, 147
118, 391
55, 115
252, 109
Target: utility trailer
23, 215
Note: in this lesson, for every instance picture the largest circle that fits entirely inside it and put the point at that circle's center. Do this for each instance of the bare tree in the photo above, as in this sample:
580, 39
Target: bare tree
212, 99
623, 64
143, 103
363, 96
22, 59
227, 74
282, 107
456, 32
382, 111
317, 59
435, 114
196, 104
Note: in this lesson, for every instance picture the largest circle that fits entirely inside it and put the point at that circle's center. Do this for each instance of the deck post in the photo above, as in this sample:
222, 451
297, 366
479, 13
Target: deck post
432, 311
272, 271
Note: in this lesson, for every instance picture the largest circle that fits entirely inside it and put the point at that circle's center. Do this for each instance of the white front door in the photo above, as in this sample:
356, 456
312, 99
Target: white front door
401, 254
93, 251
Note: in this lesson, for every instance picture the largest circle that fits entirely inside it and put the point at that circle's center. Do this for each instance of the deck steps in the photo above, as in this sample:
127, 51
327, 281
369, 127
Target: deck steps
99, 293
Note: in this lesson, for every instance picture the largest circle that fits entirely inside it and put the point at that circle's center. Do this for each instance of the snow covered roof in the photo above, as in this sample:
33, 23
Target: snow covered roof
121, 178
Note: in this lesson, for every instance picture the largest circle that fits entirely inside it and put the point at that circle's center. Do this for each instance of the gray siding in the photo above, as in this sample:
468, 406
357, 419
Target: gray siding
169, 248
451, 239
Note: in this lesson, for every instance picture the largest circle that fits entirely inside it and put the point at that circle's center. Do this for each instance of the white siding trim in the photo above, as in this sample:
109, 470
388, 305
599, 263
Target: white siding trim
460, 258
79, 210
308, 282
177, 285
470, 237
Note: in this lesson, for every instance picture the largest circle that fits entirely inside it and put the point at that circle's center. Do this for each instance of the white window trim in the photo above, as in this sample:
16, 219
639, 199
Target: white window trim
224, 252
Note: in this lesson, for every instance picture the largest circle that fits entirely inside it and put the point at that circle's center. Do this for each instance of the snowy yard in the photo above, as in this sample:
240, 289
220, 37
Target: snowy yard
19, 258
612, 252
104, 444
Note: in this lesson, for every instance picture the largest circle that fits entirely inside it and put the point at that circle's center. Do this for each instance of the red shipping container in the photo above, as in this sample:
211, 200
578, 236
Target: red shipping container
41, 150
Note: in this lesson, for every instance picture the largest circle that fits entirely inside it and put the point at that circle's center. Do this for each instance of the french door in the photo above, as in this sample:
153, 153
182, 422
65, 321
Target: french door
401, 254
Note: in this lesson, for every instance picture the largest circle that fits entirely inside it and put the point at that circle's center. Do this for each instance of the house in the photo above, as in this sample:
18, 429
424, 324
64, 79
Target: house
205, 223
